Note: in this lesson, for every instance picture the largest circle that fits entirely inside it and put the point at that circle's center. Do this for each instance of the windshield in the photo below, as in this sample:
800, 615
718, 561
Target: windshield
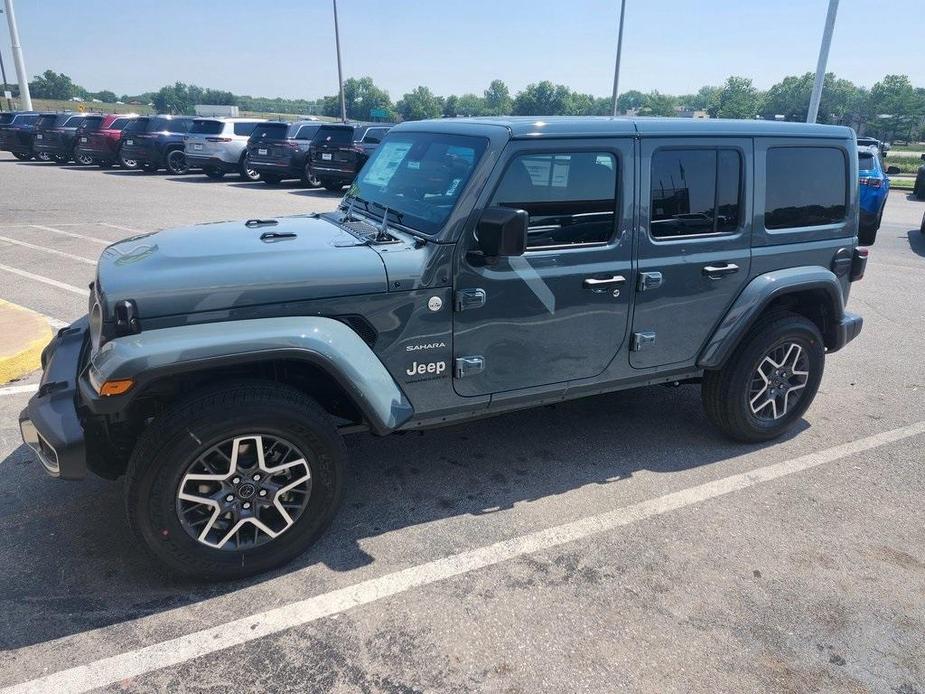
419, 176
91, 123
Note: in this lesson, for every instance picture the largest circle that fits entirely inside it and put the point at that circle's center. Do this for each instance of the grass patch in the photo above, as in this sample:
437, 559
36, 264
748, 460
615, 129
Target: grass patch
901, 183
914, 147
907, 165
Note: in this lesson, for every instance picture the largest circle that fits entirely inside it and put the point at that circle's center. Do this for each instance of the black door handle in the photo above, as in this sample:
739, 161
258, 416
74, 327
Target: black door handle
715, 272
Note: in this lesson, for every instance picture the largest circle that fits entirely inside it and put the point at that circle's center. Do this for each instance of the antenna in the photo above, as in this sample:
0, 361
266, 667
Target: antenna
383, 234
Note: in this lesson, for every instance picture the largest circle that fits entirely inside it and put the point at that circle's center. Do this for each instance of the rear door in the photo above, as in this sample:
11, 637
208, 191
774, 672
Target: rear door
693, 252
268, 143
333, 150
560, 311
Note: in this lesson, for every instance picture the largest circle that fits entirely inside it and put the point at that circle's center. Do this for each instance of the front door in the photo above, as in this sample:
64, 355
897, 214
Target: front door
694, 244
560, 311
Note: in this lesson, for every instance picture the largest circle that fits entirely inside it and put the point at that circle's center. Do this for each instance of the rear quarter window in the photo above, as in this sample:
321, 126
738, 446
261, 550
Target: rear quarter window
74, 122
805, 187
119, 123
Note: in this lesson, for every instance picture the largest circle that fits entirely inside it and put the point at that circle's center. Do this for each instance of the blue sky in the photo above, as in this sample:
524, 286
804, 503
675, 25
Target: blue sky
286, 47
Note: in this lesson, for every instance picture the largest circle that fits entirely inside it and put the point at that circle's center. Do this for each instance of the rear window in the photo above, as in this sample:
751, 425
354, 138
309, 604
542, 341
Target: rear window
330, 135
91, 123
865, 161
244, 128
207, 127
74, 122
137, 125
119, 123
806, 186
46, 121
170, 125
306, 132
270, 131
6, 118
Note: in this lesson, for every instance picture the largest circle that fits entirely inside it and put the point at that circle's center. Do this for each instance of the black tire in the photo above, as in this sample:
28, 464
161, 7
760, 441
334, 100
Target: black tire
43, 156
309, 178
726, 392
167, 449
333, 186
128, 164
214, 174
176, 162
247, 173
22, 156
148, 168
83, 159
867, 236
270, 179
61, 158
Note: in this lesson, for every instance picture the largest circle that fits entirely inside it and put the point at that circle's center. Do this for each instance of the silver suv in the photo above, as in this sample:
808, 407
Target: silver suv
219, 146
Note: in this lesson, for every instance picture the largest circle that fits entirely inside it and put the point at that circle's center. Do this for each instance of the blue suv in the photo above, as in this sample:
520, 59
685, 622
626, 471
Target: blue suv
875, 186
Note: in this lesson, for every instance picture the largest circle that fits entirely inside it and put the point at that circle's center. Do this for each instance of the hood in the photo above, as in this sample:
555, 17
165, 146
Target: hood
225, 265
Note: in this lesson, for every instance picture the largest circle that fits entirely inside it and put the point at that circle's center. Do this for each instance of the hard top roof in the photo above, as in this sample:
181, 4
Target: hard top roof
604, 126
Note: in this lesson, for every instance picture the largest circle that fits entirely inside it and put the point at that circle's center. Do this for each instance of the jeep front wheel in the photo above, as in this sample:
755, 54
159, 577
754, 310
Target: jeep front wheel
770, 380
228, 496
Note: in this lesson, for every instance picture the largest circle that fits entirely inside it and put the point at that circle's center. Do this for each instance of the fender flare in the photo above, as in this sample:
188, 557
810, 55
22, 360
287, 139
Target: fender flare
756, 296
324, 342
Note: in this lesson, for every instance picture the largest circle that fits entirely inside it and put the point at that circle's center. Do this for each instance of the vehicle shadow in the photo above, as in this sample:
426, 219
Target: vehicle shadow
71, 564
260, 185
319, 193
916, 241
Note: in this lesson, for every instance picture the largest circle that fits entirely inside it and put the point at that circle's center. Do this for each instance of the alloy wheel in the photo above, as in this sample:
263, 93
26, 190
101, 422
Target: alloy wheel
778, 382
83, 158
176, 162
244, 492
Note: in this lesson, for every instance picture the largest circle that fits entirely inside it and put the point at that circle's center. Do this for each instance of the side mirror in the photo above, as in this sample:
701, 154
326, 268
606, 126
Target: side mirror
502, 232
892, 170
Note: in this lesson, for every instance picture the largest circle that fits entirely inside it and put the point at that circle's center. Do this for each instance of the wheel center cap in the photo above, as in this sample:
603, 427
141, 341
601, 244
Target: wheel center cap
247, 490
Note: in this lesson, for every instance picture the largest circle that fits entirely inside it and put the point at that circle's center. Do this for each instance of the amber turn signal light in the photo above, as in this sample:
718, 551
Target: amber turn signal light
116, 387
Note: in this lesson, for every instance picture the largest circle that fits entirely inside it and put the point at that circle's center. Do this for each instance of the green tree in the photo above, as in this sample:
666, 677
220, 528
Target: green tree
703, 100
543, 99
451, 106
497, 99
658, 104
633, 99
361, 96
419, 104
897, 107
736, 99
471, 105
180, 98
52, 85
105, 96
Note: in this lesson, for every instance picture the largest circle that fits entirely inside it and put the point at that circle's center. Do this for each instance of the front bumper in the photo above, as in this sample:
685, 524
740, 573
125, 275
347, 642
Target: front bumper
845, 331
50, 424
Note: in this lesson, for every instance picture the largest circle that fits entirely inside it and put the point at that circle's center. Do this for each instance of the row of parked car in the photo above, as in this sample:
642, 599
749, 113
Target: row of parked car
315, 152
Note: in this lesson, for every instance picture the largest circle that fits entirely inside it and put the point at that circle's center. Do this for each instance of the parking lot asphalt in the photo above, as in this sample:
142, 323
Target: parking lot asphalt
616, 542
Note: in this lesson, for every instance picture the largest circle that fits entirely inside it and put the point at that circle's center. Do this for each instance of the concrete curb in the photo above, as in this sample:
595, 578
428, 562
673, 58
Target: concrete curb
23, 336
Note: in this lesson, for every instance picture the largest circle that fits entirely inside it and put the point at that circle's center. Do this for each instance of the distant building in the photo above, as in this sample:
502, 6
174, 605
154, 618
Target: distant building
688, 113
215, 110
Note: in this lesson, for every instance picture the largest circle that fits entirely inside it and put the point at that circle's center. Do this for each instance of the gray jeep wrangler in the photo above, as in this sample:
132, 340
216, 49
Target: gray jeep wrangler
474, 267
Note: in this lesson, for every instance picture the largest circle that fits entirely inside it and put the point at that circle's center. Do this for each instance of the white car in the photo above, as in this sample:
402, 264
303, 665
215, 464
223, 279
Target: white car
219, 146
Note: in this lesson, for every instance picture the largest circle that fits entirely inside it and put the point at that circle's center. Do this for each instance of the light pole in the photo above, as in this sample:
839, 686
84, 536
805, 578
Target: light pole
340, 74
9, 102
823, 59
24, 97
616, 69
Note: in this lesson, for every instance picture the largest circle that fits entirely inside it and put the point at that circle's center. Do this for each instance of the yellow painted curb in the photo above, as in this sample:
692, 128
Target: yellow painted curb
23, 336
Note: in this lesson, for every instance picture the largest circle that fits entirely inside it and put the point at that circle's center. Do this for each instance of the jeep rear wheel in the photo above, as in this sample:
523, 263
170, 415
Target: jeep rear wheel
127, 163
248, 172
176, 162
309, 178
230, 495
769, 381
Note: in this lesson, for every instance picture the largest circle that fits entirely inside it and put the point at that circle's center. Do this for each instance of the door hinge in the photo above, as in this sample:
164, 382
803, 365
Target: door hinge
641, 341
468, 366
470, 298
649, 280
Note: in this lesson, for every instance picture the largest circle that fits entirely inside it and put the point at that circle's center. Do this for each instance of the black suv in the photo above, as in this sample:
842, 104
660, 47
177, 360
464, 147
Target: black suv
16, 132
55, 135
156, 142
279, 150
339, 155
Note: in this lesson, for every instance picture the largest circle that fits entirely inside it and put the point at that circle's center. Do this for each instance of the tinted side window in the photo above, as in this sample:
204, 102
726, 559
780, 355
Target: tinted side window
695, 191
570, 197
374, 136
119, 123
806, 186
25, 120
244, 128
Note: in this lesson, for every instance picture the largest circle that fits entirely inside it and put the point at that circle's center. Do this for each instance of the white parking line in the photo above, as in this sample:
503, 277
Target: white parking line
72, 234
15, 390
120, 228
164, 654
46, 280
26, 244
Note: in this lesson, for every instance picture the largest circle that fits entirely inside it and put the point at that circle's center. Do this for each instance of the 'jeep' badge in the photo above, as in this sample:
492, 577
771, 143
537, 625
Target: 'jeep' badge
435, 303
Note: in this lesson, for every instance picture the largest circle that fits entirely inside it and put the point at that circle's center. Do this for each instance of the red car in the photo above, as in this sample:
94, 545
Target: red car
98, 140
